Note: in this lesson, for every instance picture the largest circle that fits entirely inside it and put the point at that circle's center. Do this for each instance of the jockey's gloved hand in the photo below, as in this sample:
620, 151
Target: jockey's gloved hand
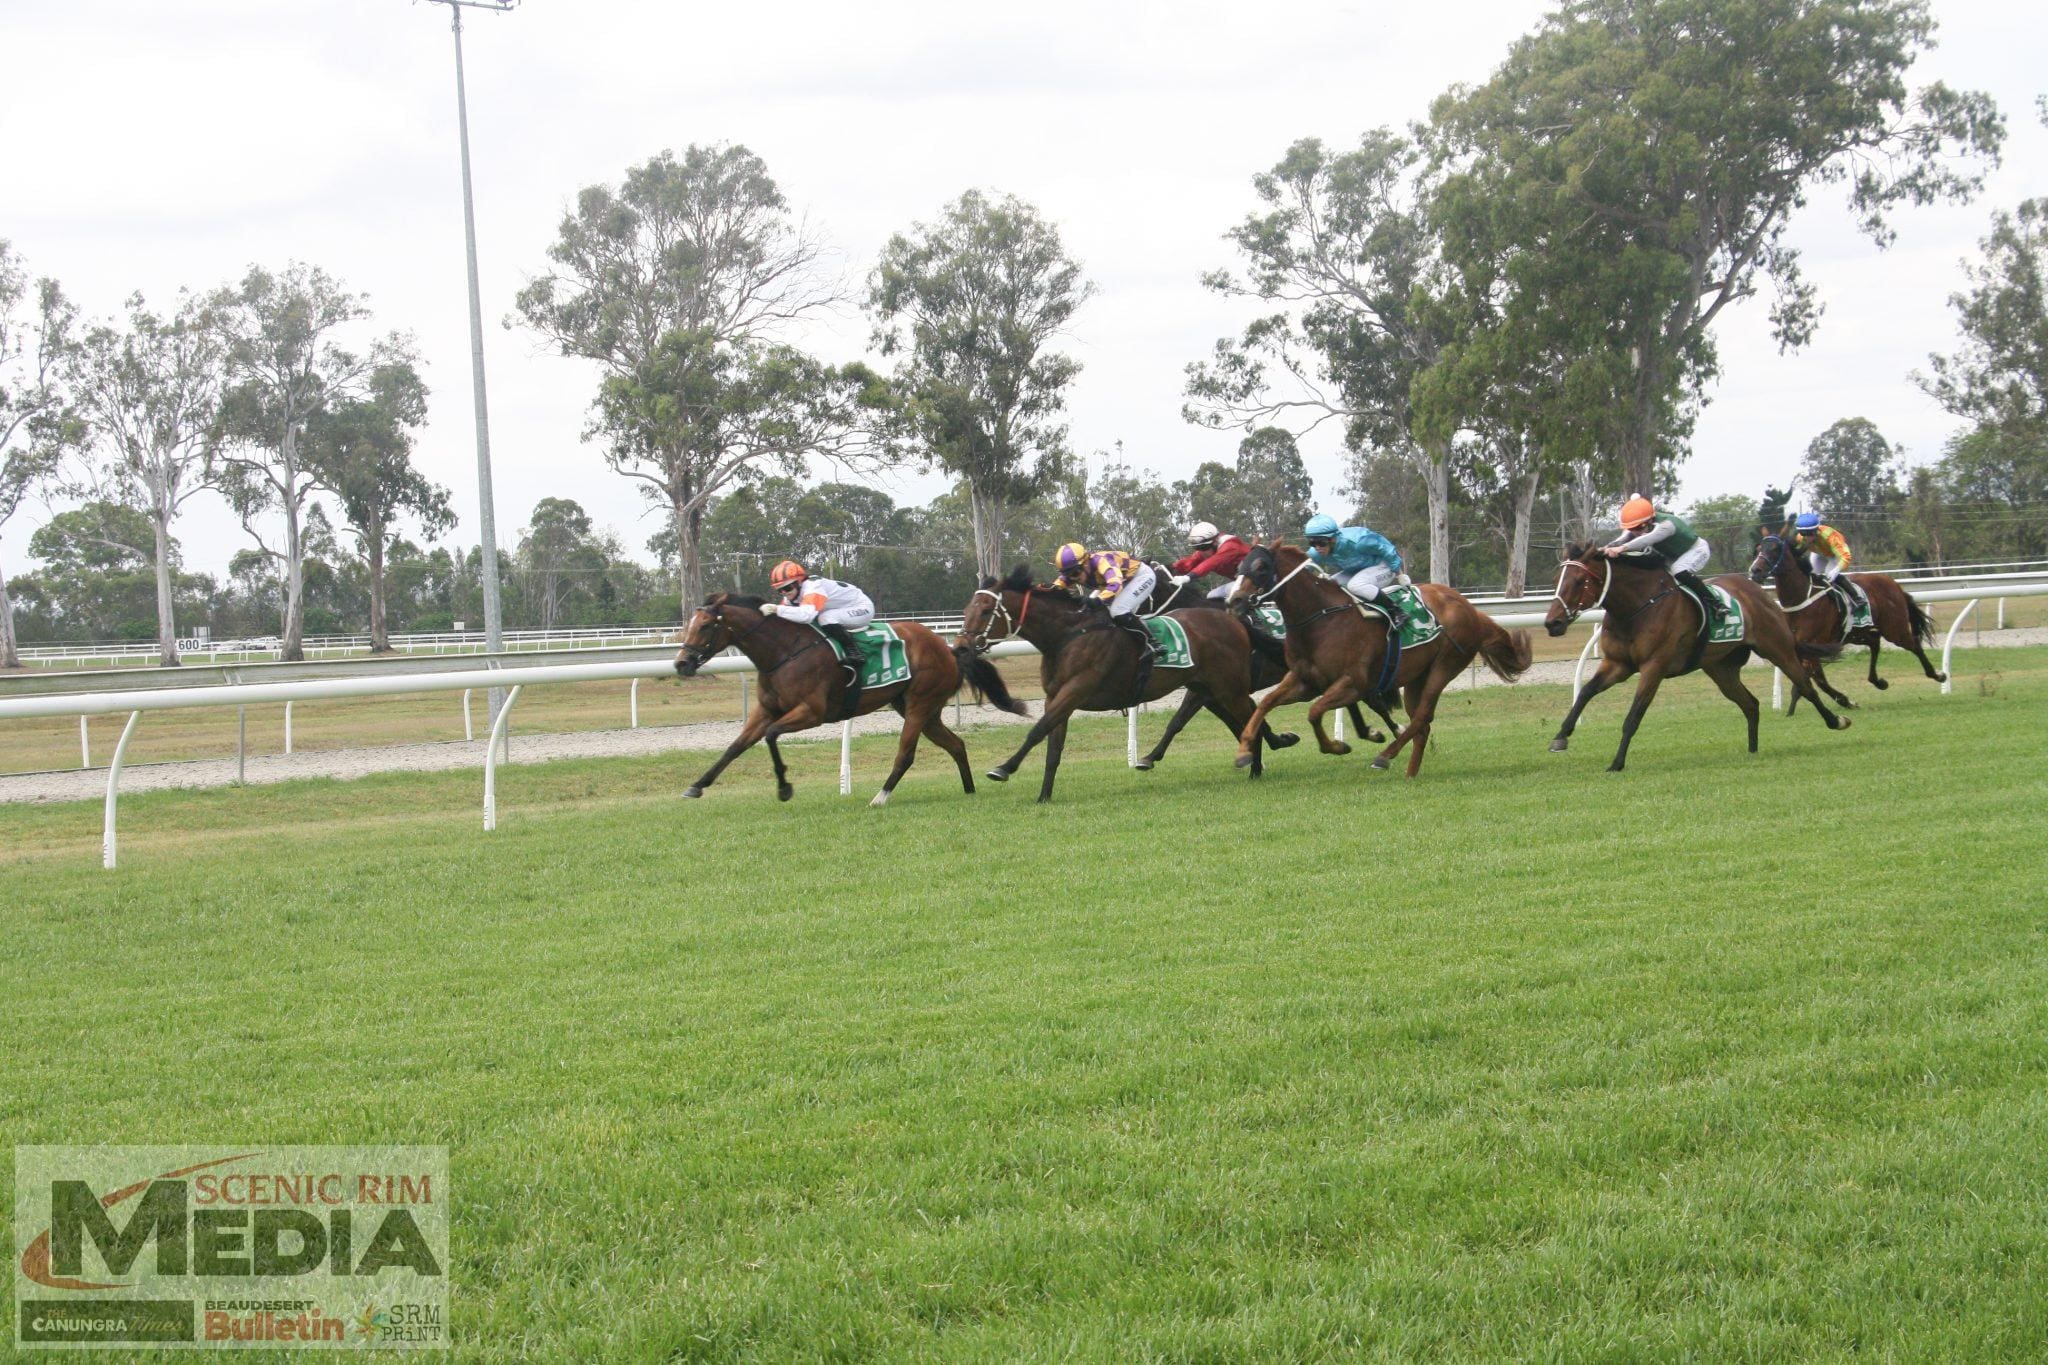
770, 608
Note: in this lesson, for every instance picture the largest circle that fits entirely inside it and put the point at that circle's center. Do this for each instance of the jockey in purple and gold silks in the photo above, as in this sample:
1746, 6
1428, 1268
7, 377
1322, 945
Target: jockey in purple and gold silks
1123, 582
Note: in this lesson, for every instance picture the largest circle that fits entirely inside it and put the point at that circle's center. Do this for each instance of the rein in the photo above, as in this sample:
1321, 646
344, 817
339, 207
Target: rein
1816, 589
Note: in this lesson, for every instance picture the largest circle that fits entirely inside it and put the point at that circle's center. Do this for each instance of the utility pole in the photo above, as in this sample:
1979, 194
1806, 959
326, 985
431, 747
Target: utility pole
494, 618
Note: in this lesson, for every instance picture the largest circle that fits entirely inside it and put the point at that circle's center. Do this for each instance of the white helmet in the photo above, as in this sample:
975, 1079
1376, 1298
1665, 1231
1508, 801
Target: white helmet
1202, 532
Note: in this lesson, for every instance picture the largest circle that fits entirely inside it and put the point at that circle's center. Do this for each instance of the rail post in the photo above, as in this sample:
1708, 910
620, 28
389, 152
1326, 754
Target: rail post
241, 746
1337, 729
84, 744
1131, 738
287, 727
846, 758
1777, 689
1579, 672
635, 706
1948, 649
2001, 614
498, 729
468, 722
107, 850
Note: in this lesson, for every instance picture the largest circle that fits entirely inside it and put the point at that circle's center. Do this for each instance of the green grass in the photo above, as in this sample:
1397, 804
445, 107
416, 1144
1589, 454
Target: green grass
1726, 1057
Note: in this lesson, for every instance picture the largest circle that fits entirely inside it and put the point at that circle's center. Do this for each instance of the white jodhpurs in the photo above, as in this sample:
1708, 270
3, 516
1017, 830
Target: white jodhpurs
1825, 567
1365, 583
853, 618
1137, 592
1694, 559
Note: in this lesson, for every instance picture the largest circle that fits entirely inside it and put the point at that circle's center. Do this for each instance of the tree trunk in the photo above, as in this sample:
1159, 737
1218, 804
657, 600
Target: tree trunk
10, 654
1518, 544
166, 606
380, 641
689, 530
294, 589
988, 530
1437, 474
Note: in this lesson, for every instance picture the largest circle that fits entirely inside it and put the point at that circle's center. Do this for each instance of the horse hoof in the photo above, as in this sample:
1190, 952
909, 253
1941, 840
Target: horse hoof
998, 775
1283, 741
1380, 764
1614, 767
1143, 765
881, 799
1841, 723
1244, 760
1338, 750
694, 792
1880, 684
1941, 677
1558, 746
1375, 737
784, 792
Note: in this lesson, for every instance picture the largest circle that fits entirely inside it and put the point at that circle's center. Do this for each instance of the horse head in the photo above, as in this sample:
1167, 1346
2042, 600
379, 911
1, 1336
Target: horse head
1582, 583
714, 627
1772, 555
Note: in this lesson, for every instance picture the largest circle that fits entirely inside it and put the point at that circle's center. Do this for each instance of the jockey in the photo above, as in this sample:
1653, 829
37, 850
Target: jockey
1670, 538
1211, 552
1364, 562
1123, 582
1827, 553
838, 609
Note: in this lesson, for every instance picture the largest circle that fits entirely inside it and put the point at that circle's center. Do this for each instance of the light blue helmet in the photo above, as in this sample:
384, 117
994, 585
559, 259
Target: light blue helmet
1319, 526
1809, 521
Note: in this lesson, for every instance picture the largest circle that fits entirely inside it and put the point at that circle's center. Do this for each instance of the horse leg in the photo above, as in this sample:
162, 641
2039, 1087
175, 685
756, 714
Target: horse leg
1367, 732
1189, 704
1289, 689
936, 731
1820, 679
906, 754
1607, 675
1802, 683
749, 735
1057, 709
1340, 693
1926, 664
803, 716
1237, 724
1411, 697
783, 791
1055, 744
1876, 644
1646, 692
1729, 680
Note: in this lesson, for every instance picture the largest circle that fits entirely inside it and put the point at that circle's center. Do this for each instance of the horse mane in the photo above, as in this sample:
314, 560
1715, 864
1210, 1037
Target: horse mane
1018, 581
735, 599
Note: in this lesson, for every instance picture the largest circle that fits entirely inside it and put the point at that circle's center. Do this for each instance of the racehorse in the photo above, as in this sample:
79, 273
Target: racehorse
1818, 616
1088, 663
802, 684
1337, 648
1652, 629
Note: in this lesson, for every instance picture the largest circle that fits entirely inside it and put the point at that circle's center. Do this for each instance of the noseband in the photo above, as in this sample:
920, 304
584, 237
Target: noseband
1572, 613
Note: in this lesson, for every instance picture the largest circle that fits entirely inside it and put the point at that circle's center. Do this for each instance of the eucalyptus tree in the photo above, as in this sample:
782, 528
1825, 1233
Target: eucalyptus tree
1634, 165
974, 304
680, 284
1999, 377
361, 451
1343, 252
286, 364
37, 334
151, 393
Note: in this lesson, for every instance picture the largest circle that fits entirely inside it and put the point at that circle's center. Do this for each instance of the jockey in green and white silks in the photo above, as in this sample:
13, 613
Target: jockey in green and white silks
1361, 560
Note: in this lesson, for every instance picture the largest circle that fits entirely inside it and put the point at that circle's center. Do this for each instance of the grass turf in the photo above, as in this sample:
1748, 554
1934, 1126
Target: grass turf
1520, 1058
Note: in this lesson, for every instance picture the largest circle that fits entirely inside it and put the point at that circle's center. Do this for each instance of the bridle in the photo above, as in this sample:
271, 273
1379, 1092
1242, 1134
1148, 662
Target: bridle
1259, 599
1572, 613
699, 655
1012, 626
1816, 588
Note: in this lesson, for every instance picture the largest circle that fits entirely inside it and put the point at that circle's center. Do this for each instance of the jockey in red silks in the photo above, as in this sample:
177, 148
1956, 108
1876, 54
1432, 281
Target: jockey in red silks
1211, 552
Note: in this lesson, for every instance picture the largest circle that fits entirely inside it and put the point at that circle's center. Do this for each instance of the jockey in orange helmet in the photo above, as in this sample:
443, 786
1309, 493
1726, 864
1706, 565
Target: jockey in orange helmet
1645, 530
838, 609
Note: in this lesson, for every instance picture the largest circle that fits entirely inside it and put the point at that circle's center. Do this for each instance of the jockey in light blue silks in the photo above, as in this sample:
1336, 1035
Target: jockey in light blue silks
1361, 560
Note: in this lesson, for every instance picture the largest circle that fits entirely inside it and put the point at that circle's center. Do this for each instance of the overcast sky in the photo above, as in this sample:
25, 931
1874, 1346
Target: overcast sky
146, 145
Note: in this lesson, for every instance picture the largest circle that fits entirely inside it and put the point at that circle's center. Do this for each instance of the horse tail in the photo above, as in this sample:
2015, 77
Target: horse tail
1506, 652
977, 672
1822, 651
1917, 618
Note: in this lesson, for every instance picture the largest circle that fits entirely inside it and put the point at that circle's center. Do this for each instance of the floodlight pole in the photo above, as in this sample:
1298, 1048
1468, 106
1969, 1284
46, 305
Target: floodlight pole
494, 620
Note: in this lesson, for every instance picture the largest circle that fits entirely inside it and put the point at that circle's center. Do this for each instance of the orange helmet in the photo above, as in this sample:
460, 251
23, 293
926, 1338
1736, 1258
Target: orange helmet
1635, 512
786, 573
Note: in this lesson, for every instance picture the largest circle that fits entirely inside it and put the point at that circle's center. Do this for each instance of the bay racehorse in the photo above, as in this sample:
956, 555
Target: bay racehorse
802, 684
1819, 616
1089, 664
1652, 631
1337, 650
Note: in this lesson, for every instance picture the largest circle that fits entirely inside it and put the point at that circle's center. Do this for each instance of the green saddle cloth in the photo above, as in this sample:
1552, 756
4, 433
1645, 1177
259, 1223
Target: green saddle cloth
888, 658
1172, 639
1270, 620
1422, 625
1728, 630
1857, 615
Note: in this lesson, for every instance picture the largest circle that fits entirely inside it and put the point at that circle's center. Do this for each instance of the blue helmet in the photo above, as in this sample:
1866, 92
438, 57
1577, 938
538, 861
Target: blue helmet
1809, 521
1319, 526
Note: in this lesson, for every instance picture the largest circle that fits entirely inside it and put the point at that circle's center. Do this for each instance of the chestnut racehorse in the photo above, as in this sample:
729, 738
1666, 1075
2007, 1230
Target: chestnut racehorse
1337, 649
1818, 616
1652, 629
1087, 663
802, 684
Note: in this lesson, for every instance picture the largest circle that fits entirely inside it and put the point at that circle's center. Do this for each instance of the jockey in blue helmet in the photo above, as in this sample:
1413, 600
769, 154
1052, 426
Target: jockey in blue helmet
1361, 560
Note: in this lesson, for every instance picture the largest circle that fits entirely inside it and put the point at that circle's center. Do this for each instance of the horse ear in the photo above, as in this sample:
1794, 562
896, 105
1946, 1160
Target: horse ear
989, 582
1019, 579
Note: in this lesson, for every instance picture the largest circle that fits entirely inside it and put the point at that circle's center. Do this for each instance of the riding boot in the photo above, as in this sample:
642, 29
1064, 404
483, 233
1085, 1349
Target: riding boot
850, 644
1396, 618
1135, 627
1709, 602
